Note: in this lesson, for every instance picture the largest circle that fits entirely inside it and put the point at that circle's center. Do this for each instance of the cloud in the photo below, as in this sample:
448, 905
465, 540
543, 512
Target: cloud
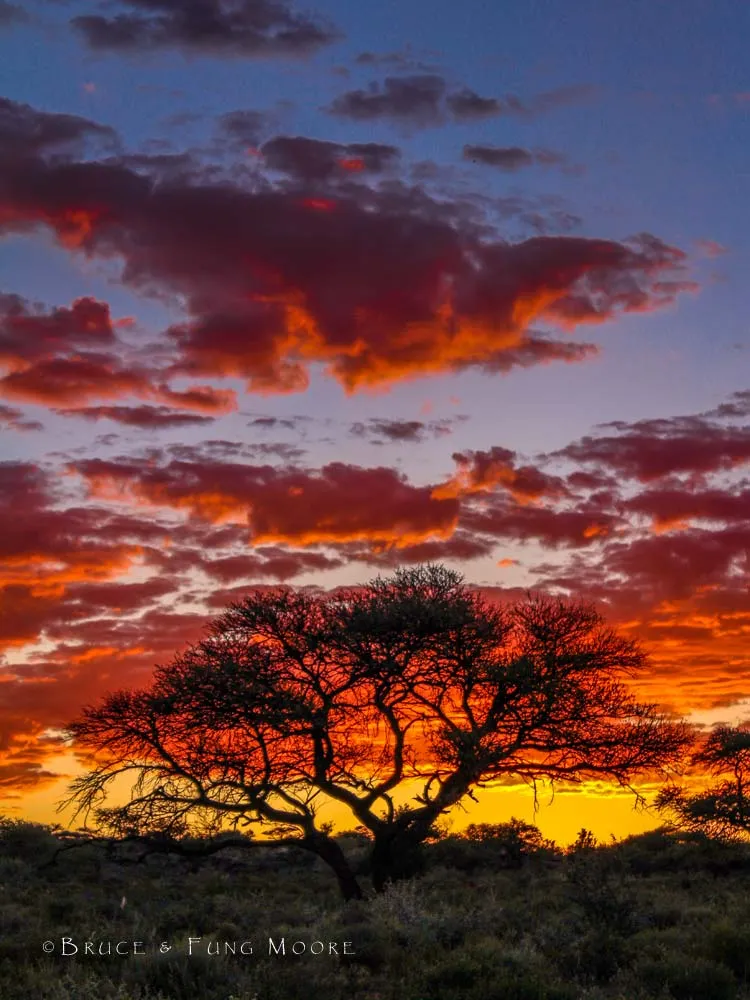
46, 548
335, 504
315, 160
535, 350
512, 158
402, 61
674, 566
27, 333
271, 563
70, 356
388, 302
379, 284
675, 506
14, 420
460, 547
420, 100
586, 525
482, 471
24, 774
244, 127
400, 430
467, 105
66, 381
26, 132
144, 417
406, 100
649, 450
11, 14
275, 423
738, 405
210, 525
240, 28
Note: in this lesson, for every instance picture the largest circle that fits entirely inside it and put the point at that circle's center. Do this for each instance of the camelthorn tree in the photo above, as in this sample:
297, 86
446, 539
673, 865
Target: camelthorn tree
395, 700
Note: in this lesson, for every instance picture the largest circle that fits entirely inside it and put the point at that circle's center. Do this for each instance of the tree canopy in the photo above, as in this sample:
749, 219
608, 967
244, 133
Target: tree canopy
395, 700
721, 810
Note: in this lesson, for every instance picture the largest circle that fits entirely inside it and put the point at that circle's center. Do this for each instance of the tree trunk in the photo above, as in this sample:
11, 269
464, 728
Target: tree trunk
329, 851
396, 855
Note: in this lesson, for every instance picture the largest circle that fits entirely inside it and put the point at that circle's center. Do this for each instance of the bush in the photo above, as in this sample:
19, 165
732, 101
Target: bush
26, 841
491, 847
687, 978
729, 943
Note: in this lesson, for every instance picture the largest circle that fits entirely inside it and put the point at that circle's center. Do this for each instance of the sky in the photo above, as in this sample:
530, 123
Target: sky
299, 295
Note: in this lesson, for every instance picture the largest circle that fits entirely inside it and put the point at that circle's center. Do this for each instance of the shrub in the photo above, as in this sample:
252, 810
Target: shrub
687, 978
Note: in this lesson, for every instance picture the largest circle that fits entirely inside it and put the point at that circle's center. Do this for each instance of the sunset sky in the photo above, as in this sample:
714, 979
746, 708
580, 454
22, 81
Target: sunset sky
299, 295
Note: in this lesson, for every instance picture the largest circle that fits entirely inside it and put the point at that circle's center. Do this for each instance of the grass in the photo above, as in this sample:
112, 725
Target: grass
657, 916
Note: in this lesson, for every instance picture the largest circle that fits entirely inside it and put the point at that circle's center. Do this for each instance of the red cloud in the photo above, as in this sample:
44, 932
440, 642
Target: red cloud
69, 357
481, 471
550, 527
652, 449
28, 334
668, 507
268, 564
393, 284
64, 381
44, 547
339, 503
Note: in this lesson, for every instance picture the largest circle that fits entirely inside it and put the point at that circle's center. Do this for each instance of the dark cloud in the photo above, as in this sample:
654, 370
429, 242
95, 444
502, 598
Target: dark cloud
243, 28
144, 417
535, 350
407, 100
403, 61
244, 127
26, 132
467, 105
400, 430
14, 420
11, 14
315, 160
24, 774
422, 100
512, 157
738, 405
274, 423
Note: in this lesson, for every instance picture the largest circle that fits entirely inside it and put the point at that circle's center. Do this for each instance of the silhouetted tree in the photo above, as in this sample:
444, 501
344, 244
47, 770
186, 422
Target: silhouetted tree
723, 809
394, 701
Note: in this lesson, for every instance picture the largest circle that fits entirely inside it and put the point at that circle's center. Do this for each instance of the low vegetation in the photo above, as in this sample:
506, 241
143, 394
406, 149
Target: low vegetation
499, 913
